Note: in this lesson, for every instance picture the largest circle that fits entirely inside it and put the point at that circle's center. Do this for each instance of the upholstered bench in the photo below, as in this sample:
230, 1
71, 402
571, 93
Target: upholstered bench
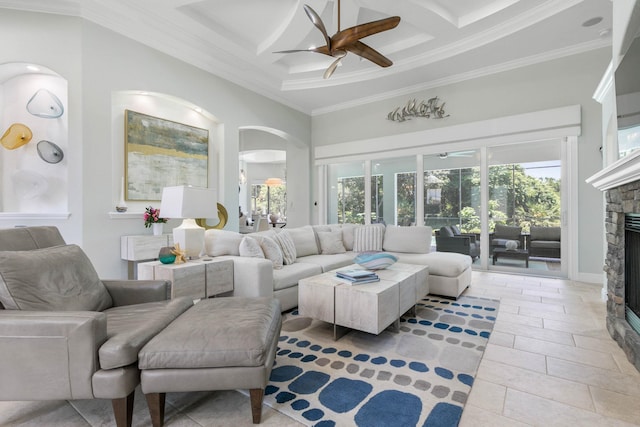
218, 344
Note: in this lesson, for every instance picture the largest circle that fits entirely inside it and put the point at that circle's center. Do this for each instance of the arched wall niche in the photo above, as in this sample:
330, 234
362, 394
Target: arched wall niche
166, 107
262, 154
34, 175
297, 166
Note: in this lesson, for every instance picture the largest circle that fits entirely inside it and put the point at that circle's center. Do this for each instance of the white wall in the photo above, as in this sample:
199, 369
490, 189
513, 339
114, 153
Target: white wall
554, 84
96, 63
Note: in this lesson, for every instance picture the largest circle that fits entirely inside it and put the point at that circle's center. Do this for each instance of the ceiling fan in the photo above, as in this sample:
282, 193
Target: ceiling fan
348, 40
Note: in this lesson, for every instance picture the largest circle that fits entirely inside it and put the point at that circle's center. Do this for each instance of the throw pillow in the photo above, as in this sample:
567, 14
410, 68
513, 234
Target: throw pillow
284, 240
331, 242
414, 239
368, 238
347, 233
249, 247
272, 252
58, 278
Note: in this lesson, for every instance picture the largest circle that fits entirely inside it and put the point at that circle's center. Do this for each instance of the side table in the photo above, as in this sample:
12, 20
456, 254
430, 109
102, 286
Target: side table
200, 278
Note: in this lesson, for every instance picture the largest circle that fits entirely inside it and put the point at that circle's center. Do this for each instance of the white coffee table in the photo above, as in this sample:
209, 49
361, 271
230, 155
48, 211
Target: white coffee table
369, 307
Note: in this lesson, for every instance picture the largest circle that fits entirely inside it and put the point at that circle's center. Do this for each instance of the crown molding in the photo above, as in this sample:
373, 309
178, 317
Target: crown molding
470, 75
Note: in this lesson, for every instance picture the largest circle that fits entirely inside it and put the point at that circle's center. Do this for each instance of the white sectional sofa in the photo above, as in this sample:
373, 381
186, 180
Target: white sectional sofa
321, 248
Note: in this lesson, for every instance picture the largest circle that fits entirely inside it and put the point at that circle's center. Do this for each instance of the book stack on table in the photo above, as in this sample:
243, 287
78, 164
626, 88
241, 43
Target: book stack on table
357, 277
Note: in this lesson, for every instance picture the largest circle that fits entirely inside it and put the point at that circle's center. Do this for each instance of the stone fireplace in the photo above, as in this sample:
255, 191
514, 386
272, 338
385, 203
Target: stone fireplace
621, 201
621, 183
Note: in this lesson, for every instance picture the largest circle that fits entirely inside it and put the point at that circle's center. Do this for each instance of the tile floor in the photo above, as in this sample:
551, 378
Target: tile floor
549, 362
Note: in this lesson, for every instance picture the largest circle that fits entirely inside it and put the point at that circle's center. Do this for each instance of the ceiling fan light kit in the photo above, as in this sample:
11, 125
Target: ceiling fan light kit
348, 40
428, 110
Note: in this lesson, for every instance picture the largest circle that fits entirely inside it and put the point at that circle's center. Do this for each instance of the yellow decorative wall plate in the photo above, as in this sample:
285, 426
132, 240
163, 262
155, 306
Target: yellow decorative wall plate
222, 214
16, 136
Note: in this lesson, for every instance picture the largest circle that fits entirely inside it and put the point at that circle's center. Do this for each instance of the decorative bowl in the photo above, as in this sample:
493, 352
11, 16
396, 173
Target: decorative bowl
375, 260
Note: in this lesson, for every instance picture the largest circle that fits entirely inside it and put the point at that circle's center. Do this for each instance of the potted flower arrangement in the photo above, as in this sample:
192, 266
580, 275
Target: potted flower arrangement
152, 219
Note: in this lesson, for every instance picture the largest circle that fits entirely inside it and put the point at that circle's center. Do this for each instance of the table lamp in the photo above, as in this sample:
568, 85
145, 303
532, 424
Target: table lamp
189, 203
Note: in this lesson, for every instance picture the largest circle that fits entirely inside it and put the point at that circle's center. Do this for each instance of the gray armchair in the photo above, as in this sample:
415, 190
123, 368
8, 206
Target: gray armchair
545, 242
450, 239
503, 233
64, 333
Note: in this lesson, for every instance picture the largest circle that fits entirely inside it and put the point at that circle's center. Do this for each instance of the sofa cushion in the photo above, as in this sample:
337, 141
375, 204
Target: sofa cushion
58, 278
130, 327
290, 274
368, 238
284, 240
250, 247
305, 240
414, 239
222, 242
217, 333
331, 242
448, 264
328, 262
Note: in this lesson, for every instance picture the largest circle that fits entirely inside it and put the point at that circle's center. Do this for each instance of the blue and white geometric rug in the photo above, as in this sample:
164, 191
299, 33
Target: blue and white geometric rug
420, 376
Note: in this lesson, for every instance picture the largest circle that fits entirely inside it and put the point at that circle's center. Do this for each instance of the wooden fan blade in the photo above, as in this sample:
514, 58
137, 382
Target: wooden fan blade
352, 34
369, 53
329, 71
322, 49
315, 19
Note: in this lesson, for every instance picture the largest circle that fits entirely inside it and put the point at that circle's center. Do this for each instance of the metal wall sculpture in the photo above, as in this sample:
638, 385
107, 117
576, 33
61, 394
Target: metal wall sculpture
428, 110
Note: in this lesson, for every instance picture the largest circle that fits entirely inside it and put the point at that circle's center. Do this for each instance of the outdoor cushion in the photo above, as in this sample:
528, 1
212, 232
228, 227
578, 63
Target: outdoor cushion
58, 278
507, 232
545, 233
445, 231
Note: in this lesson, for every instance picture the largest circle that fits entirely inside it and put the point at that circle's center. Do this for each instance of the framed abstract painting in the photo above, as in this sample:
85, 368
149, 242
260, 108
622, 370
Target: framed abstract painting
162, 153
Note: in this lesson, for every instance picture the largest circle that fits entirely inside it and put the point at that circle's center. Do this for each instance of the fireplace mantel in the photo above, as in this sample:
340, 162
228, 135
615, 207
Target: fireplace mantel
623, 171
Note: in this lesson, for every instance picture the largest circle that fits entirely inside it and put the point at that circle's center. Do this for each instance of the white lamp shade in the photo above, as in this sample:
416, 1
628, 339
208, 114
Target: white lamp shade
189, 203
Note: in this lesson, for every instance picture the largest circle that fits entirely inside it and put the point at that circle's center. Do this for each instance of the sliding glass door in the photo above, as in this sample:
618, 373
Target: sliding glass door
525, 189
505, 198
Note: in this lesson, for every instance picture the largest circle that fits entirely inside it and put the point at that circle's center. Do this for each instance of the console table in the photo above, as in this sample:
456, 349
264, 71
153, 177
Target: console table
140, 248
200, 278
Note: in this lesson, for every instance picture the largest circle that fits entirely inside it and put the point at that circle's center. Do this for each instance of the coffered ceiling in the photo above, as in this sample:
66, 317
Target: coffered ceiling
437, 41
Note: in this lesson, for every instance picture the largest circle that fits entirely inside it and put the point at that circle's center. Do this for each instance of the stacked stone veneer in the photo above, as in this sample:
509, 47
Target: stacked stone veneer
620, 201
